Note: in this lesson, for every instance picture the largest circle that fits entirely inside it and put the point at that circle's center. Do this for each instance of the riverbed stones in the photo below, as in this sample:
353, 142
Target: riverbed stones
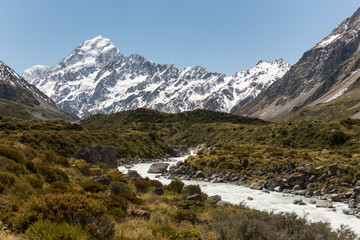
312, 201
273, 183
158, 168
250, 198
297, 201
324, 204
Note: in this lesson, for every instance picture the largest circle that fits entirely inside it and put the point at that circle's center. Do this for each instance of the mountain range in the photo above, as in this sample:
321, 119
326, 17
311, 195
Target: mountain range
97, 78
323, 84
20, 99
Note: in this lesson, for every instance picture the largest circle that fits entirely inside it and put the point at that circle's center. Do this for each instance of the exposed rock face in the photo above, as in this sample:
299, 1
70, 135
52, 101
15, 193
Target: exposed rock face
158, 168
326, 72
98, 154
97, 78
20, 96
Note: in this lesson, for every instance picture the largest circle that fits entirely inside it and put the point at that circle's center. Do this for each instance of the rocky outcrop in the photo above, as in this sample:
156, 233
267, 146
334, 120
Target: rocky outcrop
158, 168
98, 154
202, 148
178, 150
133, 174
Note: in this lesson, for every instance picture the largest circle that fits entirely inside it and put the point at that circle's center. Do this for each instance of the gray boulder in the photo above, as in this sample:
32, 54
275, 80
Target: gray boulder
158, 168
200, 174
257, 186
98, 154
133, 174
324, 204
221, 203
297, 201
332, 169
295, 179
194, 197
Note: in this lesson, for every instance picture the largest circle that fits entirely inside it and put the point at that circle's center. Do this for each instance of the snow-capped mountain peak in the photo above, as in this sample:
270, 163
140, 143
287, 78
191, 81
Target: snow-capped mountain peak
97, 78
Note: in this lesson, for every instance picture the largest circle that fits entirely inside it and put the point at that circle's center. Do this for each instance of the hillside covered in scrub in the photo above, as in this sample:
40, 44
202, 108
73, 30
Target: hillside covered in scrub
46, 193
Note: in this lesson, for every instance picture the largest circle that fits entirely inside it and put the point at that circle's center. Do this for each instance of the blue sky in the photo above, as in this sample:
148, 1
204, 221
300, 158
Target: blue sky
222, 35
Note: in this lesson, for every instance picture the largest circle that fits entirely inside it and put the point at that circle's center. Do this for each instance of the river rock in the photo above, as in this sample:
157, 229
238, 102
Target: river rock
297, 201
358, 215
257, 186
133, 174
221, 203
101, 179
215, 198
295, 179
200, 174
273, 183
352, 204
250, 198
324, 204
332, 197
277, 189
98, 154
158, 168
312, 201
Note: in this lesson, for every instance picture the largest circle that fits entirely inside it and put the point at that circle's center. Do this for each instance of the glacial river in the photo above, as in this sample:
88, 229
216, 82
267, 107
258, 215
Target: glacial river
273, 201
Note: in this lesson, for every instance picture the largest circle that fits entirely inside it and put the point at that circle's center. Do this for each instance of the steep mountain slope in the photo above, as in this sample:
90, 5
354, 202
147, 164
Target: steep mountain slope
97, 78
20, 99
326, 72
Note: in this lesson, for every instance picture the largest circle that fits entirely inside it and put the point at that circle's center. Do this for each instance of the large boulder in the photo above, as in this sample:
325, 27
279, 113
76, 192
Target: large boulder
133, 174
158, 168
178, 150
257, 186
295, 179
273, 183
324, 204
98, 154
200, 174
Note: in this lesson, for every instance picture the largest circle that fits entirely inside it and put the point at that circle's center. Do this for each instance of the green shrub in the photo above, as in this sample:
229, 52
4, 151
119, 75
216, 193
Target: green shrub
185, 215
120, 188
71, 208
60, 185
155, 183
34, 181
164, 231
47, 230
191, 190
12, 153
142, 185
176, 186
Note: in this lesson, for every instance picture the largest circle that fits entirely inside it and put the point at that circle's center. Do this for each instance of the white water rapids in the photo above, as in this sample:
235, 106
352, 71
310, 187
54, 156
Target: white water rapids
273, 201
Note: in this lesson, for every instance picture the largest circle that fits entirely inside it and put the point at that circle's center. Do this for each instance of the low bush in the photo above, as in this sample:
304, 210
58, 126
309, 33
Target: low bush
48, 230
71, 208
185, 215
142, 185
120, 188
176, 186
93, 187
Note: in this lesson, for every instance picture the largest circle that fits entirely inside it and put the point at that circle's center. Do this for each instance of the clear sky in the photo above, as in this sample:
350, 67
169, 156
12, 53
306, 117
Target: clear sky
222, 35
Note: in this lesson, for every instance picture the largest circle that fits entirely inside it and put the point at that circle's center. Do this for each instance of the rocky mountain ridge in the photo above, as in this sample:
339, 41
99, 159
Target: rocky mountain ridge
97, 78
329, 71
18, 98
